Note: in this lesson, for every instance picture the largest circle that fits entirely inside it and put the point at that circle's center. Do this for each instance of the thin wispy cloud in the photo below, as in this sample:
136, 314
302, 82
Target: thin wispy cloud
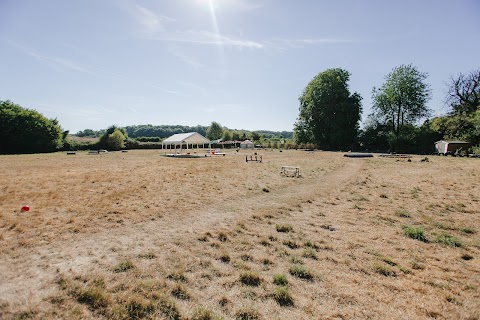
185, 58
55, 62
150, 21
208, 38
292, 43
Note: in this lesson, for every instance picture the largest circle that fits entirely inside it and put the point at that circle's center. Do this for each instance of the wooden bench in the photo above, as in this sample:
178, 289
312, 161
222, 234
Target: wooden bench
290, 170
254, 158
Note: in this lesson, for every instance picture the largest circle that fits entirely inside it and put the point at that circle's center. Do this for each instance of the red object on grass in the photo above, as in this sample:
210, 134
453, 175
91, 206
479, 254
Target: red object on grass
25, 208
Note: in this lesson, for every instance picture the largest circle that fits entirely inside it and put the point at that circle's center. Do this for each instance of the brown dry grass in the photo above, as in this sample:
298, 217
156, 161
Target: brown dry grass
127, 235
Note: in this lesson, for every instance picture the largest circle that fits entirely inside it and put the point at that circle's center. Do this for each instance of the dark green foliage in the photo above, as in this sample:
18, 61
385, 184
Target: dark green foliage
27, 131
215, 131
400, 102
113, 139
329, 114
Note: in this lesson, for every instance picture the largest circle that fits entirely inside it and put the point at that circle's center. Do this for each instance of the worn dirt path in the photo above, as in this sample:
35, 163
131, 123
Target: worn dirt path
27, 276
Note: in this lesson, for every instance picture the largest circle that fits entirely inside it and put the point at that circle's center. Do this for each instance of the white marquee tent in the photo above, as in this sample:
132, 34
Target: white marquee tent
247, 144
185, 139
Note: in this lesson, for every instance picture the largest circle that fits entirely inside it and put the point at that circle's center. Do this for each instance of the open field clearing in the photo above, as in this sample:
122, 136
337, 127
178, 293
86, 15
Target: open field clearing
138, 235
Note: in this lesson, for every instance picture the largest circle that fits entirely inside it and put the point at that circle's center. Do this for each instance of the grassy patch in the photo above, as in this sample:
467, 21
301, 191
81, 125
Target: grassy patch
177, 276
169, 309
310, 253
247, 313
284, 228
449, 240
384, 270
203, 313
123, 266
402, 213
280, 279
282, 296
291, 244
138, 307
416, 233
300, 271
250, 278
180, 292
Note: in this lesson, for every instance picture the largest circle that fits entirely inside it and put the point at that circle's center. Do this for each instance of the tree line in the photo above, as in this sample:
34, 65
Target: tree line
329, 114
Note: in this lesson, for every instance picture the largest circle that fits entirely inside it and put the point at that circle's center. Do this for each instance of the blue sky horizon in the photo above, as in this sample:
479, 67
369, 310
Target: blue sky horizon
242, 63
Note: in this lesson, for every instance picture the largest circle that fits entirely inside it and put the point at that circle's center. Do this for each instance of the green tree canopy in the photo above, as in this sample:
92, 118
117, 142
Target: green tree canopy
329, 114
255, 136
402, 99
464, 93
215, 131
227, 136
27, 131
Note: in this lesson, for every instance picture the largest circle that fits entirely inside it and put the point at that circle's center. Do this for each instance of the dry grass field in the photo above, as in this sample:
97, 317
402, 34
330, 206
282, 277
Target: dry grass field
138, 235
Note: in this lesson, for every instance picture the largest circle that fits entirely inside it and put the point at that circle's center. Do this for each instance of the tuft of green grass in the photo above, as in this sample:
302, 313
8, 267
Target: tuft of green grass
147, 255
280, 279
467, 230
202, 313
284, 228
138, 307
169, 309
282, 296
417, 233
250, 278
310, 253
449, 240
93, 296
384, 270
247, 313
296, 259
123, 266
300, 271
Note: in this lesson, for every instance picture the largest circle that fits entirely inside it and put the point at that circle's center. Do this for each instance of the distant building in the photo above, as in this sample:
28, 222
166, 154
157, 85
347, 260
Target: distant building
247, 144
446, 147
185, 140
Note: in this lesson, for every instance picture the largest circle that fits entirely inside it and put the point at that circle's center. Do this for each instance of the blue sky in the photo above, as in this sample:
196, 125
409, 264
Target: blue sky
243, 63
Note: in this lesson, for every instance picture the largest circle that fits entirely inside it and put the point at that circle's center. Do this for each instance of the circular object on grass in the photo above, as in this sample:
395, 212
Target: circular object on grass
25, 208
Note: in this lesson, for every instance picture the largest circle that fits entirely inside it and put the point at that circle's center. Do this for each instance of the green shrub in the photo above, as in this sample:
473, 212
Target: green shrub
280, 279
416, 233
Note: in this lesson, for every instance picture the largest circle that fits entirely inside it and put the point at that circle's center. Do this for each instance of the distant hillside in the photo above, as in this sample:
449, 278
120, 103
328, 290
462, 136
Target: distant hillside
164, 131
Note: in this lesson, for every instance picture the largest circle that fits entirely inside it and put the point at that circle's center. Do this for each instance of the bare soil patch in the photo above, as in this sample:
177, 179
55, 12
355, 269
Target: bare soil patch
138, 235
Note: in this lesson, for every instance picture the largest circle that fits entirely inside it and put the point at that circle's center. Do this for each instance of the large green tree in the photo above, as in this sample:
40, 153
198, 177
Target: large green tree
27, 131
329, 114
401, 101
215, 131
